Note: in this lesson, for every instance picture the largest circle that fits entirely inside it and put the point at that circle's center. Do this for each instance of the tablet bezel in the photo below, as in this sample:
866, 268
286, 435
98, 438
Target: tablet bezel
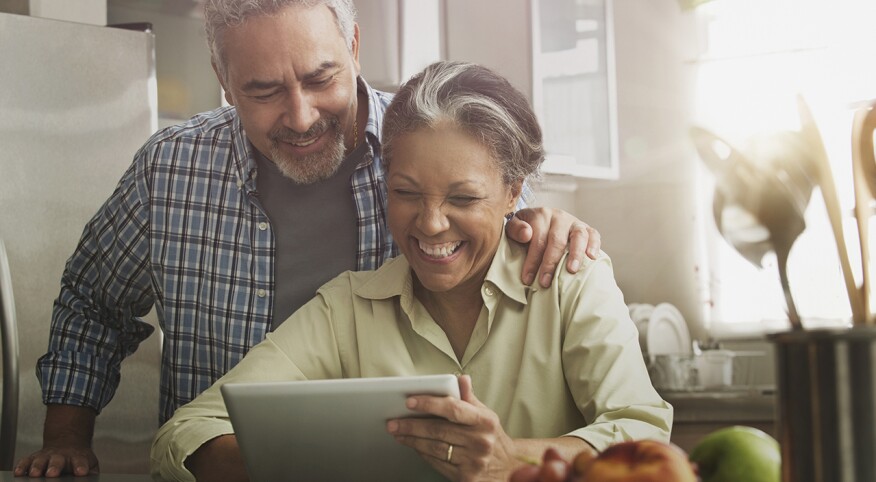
329, 429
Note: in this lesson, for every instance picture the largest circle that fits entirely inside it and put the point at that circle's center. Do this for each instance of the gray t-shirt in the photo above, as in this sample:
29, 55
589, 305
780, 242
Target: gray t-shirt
314, 228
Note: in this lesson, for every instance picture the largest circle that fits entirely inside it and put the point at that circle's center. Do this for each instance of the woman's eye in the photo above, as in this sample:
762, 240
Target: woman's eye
463, 200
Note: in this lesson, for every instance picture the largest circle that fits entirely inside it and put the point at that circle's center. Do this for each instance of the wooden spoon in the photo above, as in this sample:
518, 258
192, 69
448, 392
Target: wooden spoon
864, 171
828, 192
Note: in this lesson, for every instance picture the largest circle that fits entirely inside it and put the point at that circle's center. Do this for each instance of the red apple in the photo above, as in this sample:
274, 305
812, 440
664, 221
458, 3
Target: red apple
639, 461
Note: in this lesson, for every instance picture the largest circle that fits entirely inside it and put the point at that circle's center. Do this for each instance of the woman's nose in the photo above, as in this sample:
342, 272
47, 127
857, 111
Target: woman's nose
431, 219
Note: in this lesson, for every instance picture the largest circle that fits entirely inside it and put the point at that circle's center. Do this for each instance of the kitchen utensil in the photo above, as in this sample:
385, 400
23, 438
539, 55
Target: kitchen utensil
864, 171
831, 202
826, 394
715, 368
673, 372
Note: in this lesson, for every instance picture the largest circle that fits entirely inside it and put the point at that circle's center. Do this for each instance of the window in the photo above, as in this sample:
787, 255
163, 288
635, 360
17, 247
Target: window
757, 56
573, 86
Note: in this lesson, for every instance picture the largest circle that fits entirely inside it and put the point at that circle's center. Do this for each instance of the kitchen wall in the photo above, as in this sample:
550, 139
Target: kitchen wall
186, 82
83, 11
650, 217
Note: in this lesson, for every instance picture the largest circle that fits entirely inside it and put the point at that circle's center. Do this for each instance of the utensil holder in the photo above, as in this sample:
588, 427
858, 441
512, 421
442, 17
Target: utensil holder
826, 394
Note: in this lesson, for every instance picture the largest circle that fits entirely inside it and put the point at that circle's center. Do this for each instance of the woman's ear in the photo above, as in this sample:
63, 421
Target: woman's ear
516, 189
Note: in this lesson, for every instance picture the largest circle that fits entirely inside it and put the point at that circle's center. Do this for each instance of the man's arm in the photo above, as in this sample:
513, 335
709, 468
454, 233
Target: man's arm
549, 233
66, 448
105, 287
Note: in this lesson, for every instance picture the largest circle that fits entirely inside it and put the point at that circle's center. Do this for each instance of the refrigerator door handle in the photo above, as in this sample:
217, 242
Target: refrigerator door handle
9, 346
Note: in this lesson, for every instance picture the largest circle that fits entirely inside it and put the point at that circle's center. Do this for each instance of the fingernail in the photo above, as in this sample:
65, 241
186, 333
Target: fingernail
546, 279
392, 426
528, 278
575, 265
411, 403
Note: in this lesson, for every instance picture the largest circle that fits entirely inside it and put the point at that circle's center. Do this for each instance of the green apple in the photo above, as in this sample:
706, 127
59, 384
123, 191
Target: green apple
738, 453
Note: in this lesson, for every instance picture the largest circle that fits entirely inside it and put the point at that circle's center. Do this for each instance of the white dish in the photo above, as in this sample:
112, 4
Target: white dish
640, 312
667, 332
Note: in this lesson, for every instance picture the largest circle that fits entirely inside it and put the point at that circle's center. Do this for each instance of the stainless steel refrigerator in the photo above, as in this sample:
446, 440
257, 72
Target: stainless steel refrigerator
76, 102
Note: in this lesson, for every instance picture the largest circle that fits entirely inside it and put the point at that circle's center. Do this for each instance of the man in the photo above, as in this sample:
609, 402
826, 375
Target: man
229, 222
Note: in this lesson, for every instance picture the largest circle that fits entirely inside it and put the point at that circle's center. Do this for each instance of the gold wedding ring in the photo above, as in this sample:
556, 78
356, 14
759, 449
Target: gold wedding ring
449, 453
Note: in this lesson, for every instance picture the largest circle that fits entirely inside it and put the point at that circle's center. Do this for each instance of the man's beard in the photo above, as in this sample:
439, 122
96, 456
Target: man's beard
314, 167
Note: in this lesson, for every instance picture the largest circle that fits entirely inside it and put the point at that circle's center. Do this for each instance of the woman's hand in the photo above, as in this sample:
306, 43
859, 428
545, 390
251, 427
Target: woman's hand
466, 443
549, 232
553, 468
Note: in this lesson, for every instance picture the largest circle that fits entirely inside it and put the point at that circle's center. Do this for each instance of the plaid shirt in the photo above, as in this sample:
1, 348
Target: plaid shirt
183, 231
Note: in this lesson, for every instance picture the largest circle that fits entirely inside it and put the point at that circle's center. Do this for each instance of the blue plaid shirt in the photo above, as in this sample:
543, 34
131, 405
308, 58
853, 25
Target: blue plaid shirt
183, 232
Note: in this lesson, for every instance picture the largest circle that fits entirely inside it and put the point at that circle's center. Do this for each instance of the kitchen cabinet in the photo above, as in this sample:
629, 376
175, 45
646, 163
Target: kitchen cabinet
560, 53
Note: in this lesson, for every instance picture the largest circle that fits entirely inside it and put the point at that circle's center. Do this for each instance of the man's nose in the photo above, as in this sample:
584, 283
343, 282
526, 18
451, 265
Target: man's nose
301, 112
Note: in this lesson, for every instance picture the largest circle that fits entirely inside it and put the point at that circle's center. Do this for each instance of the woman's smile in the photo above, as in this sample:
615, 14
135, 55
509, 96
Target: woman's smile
442, 251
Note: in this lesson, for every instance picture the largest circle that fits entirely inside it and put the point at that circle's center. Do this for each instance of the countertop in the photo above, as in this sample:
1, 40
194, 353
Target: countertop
754, 404
8, 477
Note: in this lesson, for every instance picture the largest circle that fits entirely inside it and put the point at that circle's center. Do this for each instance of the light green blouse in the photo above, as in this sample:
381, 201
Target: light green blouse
550, 362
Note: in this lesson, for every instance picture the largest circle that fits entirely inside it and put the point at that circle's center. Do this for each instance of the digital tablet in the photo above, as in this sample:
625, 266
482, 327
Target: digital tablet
329, 430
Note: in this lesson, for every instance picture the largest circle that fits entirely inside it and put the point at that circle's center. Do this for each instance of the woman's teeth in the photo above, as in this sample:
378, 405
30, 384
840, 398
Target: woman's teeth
439, 250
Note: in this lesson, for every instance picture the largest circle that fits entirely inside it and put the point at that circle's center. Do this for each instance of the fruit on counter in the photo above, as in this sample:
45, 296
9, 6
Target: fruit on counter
634, 461
639, 461
738, 453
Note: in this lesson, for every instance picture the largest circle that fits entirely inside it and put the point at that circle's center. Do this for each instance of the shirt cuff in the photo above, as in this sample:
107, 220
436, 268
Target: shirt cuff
169, 453
71, 378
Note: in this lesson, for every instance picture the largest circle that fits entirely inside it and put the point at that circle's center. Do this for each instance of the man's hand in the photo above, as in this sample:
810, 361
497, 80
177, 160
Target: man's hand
549, 233
66, 445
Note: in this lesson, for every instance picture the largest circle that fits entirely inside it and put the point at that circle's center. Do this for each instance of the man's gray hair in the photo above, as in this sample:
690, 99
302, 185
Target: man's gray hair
480, 102
220, 15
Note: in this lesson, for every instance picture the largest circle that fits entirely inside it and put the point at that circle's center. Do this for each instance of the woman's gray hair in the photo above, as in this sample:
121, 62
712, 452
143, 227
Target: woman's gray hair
219, 15
481, 102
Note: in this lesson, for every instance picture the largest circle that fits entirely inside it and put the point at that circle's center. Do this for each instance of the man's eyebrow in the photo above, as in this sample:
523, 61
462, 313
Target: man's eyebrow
257, 84
323, 67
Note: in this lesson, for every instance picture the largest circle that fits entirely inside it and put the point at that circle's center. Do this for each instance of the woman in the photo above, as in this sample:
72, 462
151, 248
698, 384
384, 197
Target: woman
558, 367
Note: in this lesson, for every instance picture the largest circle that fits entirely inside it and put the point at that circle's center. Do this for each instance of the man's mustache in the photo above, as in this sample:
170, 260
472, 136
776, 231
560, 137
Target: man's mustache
284, 134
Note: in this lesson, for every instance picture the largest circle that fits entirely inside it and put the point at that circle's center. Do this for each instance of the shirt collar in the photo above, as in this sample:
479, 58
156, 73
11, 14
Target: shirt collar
505, 270
242, 155
374, 126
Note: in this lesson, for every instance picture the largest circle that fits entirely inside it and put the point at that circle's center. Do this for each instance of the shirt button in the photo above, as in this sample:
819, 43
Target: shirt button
263, 225
489, 291
261, 293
